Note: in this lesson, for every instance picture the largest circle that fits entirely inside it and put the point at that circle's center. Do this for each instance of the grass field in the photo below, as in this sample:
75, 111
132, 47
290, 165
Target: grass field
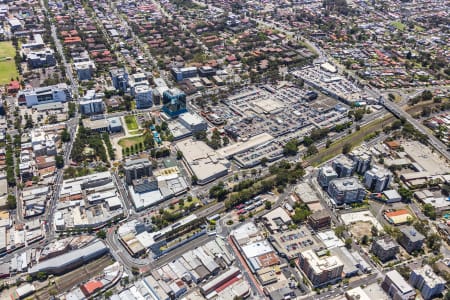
399, 25
131, 141
131, 122
7, 64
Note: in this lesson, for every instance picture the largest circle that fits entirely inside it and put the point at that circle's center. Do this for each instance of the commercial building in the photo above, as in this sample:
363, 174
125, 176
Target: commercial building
92, 106
203, 162
346, 190
396, 287
143, 96
192, 122
398, 217
174, 102
98, 125
41, 59
377, 179
322, 270
137, 168
183, 73
42, 95
85, 70
119, 78
344, 166
326, 175
429, 284
385, 248
71, 260
232, 272
320, 220
410, 239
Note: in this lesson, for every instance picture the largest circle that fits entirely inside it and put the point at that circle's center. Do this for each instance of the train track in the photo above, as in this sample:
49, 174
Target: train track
61, 284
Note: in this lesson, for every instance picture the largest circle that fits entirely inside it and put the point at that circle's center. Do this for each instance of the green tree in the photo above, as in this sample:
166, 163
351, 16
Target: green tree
179, 154
339, 231
291, 148
268, 205
12, 203
41, 276
59, 161
346, 148
429, 211
65, 136
348, 243
101, 234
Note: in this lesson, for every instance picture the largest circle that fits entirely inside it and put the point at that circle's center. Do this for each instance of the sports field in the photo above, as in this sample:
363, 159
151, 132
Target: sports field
7, 64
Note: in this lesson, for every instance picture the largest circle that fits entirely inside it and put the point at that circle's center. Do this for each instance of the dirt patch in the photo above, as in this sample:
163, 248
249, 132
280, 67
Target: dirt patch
359, 229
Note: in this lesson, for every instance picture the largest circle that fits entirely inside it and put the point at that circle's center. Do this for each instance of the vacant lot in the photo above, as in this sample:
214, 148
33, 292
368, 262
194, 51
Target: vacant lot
131, 122
7, 64
359, 229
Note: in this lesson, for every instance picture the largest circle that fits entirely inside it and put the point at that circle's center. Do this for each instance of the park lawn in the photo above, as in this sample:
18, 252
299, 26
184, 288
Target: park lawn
131, 122
177, 207
8, 68
399, 25
131, 141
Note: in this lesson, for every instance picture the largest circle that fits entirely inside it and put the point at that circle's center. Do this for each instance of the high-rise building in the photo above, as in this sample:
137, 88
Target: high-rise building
92, 106
362, 158
119, 79
344, 166
136, 169
84, 69
346, 190
143, 96
377, 179
322, 270
326, 174
174, 102
429, 284
397, 287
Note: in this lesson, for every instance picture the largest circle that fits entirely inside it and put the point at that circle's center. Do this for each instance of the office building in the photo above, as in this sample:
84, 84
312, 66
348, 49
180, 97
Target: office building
206, 71
85, 70
137, 168
377, 179
396, 287
115, 125
410, 239
41, 59
192, 122
326, 175
183, 73
143, 96
344, 166
174, 102
346, 190
425, 280
43, 95
119, 78
92, 106
362, 159
136, 80
322, 270
385, 248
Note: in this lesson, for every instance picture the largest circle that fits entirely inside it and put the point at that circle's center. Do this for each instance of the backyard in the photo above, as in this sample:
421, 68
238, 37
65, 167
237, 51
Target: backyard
7, 64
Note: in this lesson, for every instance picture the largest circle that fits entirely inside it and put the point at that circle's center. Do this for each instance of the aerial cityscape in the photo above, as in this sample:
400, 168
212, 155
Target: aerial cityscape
225, 149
